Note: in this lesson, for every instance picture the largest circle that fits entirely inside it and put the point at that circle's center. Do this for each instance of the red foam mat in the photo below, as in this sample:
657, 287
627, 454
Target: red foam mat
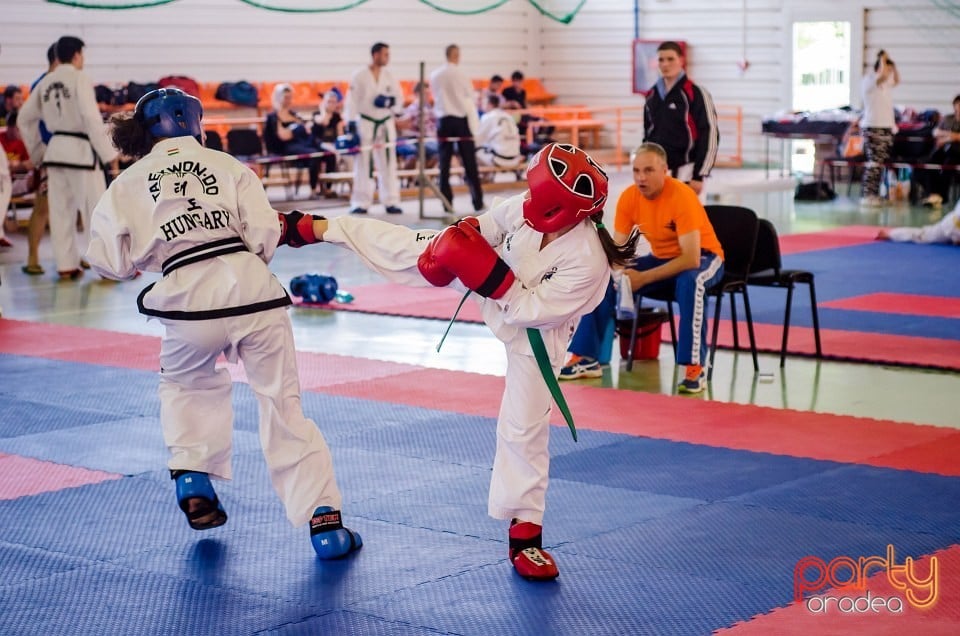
837, 237
942, 619
433, 303
865, 441
400, 300
904, 304
861, 346
24, 476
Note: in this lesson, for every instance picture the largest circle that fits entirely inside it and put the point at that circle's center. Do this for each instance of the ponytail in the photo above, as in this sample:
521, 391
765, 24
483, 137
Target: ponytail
620, 255
130, 136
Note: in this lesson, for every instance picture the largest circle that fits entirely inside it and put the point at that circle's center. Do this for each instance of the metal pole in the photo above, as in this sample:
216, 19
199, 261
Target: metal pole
422, 180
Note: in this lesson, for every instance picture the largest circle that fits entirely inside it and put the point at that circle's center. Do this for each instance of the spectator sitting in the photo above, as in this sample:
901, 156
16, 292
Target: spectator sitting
286, 133
328, 124
12, 101
936, 183
498, 140
515, 95
495, 87
409, 123
21, 169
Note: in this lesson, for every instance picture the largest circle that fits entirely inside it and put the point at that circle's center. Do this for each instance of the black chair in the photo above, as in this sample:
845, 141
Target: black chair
736, 229
244, 143
767, 271
213, 140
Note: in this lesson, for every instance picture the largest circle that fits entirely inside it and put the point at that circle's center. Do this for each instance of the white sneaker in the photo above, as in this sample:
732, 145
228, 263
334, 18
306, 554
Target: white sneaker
933, 201
872, 201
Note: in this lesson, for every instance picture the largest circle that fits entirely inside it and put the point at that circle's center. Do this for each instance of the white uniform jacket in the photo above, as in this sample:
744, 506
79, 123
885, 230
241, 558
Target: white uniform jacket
364, 89
499, 135
555, 285
65, 101
200, 217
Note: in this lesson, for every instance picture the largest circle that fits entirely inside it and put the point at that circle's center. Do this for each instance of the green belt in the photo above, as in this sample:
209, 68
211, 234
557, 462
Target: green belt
543, 362
386, 136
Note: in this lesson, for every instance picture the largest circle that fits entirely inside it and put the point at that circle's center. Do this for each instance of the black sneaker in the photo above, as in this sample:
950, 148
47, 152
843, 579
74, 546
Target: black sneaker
358, 211
393, 209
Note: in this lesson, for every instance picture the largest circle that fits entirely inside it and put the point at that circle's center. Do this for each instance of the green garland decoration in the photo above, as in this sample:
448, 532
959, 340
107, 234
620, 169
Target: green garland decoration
344, 7
261, 4
140, 4
491, 7
566, 19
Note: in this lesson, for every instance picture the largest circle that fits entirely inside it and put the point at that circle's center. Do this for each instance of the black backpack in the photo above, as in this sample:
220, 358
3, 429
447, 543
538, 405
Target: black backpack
240, 93
814, 191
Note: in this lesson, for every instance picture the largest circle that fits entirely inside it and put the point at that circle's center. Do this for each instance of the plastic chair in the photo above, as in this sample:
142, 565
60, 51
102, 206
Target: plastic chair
244, 143
213, 140
736, 229
767, 271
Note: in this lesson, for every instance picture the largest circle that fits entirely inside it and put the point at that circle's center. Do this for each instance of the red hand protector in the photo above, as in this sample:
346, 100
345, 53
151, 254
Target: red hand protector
435, 273
463, 251
296, 228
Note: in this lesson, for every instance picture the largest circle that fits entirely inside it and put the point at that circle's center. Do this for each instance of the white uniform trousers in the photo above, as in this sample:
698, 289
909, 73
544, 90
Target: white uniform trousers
520, 469
197, 416
518, 486
70, 190
384, 163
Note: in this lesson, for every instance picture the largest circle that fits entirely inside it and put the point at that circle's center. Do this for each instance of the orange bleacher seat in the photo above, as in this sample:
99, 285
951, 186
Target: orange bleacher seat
536, 93
265, 94
323, 87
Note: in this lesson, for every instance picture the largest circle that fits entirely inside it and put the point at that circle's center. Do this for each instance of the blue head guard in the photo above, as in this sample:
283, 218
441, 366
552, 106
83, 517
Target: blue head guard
314, 288
169, 112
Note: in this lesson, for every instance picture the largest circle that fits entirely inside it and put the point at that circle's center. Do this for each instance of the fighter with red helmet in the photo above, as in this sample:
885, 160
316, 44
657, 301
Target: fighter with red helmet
540, 259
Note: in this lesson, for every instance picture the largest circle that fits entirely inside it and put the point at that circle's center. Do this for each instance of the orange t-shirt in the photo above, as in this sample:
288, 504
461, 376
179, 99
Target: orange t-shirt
675, 212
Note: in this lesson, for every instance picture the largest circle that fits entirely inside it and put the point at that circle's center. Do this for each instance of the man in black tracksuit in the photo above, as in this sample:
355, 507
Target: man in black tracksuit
680, 116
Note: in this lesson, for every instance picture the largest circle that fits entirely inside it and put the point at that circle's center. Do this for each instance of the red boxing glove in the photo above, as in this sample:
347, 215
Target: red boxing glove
463, 251
435, 273
296, 228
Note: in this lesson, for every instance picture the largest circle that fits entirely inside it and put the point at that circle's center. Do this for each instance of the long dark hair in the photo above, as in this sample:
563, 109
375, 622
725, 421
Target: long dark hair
621, 255
130, 136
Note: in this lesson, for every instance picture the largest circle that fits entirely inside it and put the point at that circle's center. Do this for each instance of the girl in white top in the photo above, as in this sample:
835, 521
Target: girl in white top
202, 218
878, 124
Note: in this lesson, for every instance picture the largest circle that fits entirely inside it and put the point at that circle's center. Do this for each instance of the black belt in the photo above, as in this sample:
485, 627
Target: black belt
204, 252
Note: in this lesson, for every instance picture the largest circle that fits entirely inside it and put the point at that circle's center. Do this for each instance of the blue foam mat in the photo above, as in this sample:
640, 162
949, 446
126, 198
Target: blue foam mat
651, 536
845, 272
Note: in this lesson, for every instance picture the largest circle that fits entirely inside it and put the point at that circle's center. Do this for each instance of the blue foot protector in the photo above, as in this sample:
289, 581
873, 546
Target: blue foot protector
329, 538
198, 500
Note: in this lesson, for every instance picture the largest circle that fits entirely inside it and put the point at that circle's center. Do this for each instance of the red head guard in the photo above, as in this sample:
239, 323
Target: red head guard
566, 186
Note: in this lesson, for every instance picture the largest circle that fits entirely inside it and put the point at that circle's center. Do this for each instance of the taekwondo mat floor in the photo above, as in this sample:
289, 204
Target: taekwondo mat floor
671, 515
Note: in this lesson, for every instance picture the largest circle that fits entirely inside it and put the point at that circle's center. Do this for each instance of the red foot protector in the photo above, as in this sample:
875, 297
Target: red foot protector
530, 560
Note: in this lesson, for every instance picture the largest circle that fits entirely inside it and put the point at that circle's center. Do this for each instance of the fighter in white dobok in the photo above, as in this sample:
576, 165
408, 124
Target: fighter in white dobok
372, 101
536, 261
498, 140
946, 230
202, 218
65, 101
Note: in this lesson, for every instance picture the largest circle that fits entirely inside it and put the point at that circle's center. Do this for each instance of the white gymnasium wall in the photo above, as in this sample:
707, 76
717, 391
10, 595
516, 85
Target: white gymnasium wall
585, 62
228, 40
589, 61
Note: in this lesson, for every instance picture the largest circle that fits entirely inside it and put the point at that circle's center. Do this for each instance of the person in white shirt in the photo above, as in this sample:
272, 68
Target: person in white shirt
64, 99
372, 101
202, 218
457, 122
878, 124
498, 140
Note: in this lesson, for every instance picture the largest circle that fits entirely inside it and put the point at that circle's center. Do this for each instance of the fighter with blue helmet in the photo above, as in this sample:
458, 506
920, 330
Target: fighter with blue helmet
202, 219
